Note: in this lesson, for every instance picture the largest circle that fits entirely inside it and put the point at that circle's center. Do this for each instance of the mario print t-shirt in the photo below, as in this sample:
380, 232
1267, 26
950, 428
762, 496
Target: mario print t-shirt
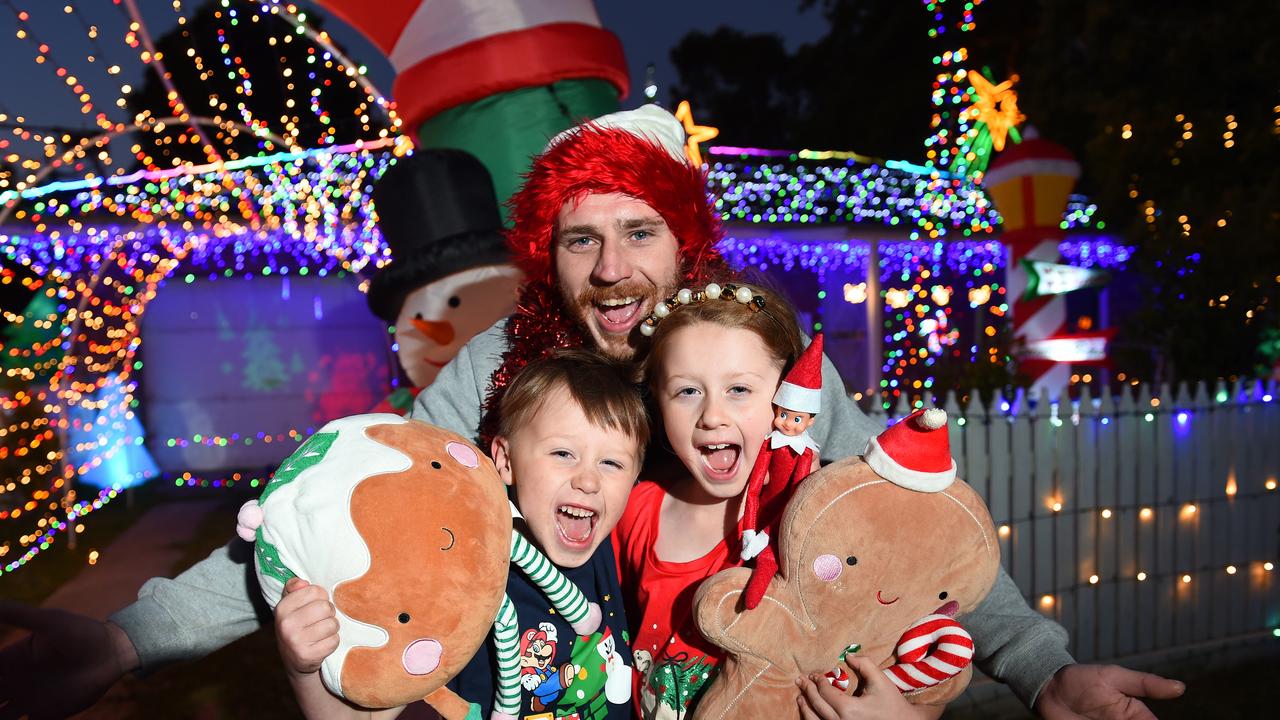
562, 676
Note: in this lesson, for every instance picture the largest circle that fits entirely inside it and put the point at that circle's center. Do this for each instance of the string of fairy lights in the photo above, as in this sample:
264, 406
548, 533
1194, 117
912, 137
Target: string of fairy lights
227, 119
759, 186
99, 217
308, 212
311, 215
98, 319
944, 148
1182, 418
314, 204
942, 297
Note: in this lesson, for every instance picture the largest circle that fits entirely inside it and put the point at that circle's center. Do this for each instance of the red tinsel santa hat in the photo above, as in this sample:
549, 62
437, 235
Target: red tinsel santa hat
915, 453
638, 153
802, 389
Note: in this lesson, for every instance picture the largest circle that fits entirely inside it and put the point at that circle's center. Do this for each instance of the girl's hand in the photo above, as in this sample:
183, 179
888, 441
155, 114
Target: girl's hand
876, 697
306, 626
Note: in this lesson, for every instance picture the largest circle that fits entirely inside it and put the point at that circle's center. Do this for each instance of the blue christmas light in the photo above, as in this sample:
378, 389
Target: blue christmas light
809, 188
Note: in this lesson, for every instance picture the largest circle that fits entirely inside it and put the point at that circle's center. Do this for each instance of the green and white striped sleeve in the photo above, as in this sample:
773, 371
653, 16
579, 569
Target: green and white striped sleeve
506, 640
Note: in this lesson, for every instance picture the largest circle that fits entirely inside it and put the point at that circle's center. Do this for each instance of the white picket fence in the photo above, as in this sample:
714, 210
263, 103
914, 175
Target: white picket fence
1140, 523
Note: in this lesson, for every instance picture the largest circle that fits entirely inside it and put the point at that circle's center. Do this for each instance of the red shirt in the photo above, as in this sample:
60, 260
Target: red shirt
673, 659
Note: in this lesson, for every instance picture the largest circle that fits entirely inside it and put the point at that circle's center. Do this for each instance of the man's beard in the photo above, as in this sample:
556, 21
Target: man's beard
616, 346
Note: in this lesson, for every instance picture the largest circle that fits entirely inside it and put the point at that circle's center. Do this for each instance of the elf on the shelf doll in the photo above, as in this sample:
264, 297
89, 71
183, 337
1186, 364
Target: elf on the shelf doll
785, 458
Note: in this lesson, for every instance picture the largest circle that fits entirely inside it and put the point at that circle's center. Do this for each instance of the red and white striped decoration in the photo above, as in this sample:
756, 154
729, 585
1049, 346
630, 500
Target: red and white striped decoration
450, 52
1030, 185
1037, 319
933, 649
839, 677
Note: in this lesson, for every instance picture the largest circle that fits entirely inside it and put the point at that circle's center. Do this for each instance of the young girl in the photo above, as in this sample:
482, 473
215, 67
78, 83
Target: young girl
713, 369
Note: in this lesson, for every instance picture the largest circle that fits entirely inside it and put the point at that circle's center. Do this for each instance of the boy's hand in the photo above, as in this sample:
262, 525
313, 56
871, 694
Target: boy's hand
306, 626
876, 697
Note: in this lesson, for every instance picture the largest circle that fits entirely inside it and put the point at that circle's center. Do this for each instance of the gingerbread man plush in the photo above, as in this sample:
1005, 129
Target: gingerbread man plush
878, 553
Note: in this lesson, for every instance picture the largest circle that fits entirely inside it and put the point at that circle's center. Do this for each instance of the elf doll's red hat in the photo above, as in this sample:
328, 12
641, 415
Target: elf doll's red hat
802, 389
915, 453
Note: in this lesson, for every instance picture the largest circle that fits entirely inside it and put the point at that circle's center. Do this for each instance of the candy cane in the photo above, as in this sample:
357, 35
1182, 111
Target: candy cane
917, 667
839, 677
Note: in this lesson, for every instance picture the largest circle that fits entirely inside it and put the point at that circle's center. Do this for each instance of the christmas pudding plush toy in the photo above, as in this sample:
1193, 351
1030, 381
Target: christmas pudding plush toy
409, 528
878, 555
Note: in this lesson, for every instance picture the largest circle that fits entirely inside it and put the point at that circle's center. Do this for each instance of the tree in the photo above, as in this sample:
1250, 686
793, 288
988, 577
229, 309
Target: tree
828, 94
264, 371
264, 78
749, 100
867, 81
1177, 138
1171, 108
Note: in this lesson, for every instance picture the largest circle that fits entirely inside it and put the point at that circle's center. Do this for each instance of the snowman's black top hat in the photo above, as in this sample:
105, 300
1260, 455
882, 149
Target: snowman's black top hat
438, 214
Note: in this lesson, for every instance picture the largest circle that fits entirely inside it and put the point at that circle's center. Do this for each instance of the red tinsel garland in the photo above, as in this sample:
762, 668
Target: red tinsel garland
539, 326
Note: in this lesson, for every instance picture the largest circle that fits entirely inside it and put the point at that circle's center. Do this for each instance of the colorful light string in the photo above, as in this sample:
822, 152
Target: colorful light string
938, 297
759, 186
71, 151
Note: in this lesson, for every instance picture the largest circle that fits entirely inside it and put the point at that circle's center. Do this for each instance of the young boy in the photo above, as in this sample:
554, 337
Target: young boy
570, 445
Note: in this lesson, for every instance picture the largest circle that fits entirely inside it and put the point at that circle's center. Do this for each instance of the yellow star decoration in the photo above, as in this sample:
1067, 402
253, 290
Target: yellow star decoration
997, 106
697, 133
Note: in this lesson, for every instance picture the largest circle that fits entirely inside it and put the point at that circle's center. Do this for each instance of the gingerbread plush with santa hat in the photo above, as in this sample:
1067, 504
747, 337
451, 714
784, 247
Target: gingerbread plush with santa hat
785, 458
879, 554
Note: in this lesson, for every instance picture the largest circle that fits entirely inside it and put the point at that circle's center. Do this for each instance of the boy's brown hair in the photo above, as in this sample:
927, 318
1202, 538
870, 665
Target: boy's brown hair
775, 324
603, 388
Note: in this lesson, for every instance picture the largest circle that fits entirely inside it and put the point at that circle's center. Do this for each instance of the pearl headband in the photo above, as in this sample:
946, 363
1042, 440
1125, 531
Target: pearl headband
713, 291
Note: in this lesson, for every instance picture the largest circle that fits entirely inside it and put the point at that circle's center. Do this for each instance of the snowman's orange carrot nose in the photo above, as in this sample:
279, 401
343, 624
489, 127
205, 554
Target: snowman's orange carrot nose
439, 330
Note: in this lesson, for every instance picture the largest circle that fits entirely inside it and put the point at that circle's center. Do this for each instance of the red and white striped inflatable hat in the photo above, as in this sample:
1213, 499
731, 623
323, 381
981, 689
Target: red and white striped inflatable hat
450, 52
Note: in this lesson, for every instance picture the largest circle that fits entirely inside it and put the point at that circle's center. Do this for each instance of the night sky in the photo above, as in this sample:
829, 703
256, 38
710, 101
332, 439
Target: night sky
648, 31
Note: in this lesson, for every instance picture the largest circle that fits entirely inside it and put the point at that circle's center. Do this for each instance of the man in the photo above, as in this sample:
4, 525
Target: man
610, 220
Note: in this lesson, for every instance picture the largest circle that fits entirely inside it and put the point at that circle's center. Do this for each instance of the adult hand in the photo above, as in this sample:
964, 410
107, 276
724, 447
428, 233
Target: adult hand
1103, 692
63, 665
